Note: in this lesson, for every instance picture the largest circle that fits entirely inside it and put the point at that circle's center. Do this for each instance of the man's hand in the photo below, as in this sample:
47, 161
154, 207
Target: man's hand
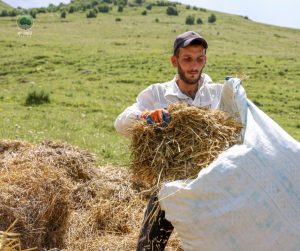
157, 116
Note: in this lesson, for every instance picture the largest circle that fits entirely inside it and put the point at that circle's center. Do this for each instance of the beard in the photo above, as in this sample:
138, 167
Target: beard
182, 76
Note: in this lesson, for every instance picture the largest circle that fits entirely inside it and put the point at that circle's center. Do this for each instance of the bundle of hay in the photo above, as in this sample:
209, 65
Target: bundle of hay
64, 201
34, 192
192, 141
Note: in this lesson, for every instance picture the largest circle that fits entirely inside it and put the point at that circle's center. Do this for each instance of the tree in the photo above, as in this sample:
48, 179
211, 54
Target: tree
189, 20
32, 13
4, 13
103, 8
149, 6
13, 13
72, 9
91, 14
212, 18
63, 14
94, 3
144, 13
138, 1
188, 7
172, 11
199, 21
25, 21
120, 8
195, 8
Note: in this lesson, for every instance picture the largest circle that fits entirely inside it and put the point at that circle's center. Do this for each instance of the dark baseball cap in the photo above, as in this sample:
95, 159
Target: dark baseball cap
186, 38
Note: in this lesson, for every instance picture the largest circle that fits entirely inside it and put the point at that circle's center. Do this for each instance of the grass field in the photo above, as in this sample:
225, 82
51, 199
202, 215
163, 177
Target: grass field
125, 57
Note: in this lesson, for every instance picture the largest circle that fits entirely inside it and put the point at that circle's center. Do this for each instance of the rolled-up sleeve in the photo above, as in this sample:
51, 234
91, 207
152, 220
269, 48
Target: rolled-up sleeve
145, 101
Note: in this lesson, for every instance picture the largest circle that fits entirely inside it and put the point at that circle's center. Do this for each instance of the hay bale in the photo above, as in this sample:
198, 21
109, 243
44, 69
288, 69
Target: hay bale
192, 141
63, 200
34, 192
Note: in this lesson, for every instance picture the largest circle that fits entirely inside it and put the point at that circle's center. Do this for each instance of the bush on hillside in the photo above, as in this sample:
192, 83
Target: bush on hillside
42, 10
4, 13
63, 14
33, 13
201, 9
95, 10
149, 6
71, 9
35, 97
91, 14
188, 7
138, 1
103, 8
120, 8
144, 13
195, 8
13, 13
212, 18
107, 1
118, 19
156, 20
190, 20
172, 11
199, 21
94, 3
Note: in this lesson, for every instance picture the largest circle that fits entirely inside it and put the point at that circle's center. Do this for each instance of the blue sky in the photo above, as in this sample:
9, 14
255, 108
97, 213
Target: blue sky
281, 13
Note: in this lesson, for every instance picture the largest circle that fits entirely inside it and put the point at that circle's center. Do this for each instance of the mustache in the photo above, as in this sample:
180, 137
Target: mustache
192, 71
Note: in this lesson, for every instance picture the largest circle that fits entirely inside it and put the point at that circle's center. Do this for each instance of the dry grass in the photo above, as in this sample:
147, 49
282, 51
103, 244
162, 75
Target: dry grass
62, 200
192, 141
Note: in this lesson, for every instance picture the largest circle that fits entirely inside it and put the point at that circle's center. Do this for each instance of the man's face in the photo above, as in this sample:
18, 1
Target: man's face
190, 63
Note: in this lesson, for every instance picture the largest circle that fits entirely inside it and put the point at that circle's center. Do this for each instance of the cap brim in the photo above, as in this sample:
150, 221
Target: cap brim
187, 42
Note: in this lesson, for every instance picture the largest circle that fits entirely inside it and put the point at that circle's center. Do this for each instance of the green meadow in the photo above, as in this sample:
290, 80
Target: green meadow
93, 68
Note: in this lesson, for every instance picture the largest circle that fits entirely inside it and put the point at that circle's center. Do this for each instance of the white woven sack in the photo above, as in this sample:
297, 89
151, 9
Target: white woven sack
249, 198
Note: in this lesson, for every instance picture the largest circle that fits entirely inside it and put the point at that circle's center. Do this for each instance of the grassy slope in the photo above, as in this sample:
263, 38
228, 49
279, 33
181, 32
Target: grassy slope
124, 59
5, 6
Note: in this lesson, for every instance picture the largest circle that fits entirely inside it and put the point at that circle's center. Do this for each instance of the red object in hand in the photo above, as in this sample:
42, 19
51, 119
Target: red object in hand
156, 115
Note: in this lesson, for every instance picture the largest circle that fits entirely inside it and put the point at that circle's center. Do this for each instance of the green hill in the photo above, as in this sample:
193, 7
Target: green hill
5, 6
93, 68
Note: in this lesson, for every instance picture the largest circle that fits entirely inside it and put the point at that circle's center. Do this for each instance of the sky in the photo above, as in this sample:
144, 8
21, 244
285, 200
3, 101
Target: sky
275, 12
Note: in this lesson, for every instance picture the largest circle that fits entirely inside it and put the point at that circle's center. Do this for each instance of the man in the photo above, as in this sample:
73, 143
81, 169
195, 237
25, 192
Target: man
190, 86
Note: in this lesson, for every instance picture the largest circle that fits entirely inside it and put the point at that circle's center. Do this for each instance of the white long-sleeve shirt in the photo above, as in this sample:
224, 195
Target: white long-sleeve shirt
159, 96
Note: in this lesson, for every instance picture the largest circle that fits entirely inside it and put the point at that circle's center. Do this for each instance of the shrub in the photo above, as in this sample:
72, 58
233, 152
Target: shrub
4, 13
88, 6
172, 11
42, 10
35, 97
201, 9
149, 7
13, 13
107, 1
120, 8
160, 3
246, 17
103, 8
91, 14
212, 18
189, 20
188, 7
118, 19
95, 10
94, 3
199, 21
144, 13
138, 1
33, 12
156, 20
63, 14
84, 8
195, 8
72, 9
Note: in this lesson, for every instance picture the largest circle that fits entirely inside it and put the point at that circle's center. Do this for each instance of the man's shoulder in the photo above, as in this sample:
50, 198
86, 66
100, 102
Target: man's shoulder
164, 85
